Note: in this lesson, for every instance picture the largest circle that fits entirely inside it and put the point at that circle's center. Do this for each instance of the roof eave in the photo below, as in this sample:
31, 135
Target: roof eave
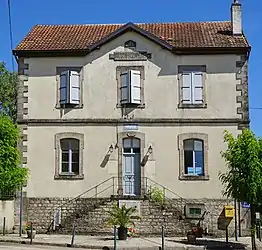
180, 51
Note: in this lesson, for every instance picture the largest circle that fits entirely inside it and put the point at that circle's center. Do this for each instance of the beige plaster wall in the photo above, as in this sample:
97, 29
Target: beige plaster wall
163, 164
7, 210
161, 84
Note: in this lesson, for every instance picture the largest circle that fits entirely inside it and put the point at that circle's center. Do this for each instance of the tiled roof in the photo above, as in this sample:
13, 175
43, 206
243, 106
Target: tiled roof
178, 35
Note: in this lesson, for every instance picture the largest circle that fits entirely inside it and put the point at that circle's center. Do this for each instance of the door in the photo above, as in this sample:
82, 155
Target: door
131, 166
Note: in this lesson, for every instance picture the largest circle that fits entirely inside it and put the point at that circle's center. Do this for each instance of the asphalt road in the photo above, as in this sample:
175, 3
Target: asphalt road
33, 247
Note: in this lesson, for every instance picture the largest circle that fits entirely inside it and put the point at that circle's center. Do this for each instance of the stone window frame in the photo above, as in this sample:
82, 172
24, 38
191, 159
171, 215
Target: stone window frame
59, 70
58, 138
181, 139
120, 69
181, 69
120, 137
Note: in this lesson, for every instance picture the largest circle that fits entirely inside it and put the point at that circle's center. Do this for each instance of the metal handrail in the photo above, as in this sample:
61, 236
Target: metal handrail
165, 188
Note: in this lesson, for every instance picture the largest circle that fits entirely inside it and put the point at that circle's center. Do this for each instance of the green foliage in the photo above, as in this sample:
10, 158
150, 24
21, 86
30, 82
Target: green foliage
12, 176
243, 179
156, 195
8, 91
122, 216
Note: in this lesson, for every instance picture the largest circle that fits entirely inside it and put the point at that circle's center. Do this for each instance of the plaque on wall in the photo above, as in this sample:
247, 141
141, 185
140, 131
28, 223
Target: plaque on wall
130, 56
131, 203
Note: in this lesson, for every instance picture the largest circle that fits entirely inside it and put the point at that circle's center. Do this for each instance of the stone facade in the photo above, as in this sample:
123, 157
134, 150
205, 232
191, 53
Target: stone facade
90, 216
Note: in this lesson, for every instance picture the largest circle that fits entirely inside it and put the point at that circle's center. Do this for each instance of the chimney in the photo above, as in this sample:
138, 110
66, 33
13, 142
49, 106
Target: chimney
236, 18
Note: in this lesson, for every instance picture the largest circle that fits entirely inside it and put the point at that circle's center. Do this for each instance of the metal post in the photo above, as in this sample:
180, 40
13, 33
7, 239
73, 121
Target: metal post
227, 234
235, 206
163, 237
4, 227
31, 236
259, 230
114, 237
239, 219
113, 186
73, 235
21, 211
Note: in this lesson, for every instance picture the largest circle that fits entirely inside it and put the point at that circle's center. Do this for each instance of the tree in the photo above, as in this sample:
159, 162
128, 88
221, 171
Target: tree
8, 91
12, 175
243, 179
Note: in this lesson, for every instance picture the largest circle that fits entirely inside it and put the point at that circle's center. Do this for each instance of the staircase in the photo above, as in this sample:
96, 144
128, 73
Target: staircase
88, 210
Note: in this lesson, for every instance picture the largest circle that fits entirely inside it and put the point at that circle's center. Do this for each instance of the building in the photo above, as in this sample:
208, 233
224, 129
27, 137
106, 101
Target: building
111, 110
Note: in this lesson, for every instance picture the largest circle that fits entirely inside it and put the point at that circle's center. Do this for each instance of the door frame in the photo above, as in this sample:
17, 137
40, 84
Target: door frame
120, 137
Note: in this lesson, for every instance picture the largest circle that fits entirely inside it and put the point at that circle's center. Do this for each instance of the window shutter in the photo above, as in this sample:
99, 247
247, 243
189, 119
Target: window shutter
135, 86
64, 86
74, 87
197, 87
124, 88
186, 88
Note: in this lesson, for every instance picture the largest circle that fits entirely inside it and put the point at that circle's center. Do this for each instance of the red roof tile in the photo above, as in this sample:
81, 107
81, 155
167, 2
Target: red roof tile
178, 35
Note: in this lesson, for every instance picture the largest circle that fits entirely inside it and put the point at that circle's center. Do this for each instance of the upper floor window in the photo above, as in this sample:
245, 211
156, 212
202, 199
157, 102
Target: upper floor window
194, 157
130, 87
69, 87
70, 156
192, 86
130, 82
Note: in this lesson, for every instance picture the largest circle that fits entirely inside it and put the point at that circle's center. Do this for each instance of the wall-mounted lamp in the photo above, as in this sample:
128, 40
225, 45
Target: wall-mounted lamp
111, 149
150, 150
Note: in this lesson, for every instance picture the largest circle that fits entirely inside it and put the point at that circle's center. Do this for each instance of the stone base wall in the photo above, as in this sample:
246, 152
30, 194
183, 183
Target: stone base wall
90, 216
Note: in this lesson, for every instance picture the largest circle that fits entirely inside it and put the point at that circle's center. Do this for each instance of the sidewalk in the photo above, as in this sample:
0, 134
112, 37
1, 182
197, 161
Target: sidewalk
106, 243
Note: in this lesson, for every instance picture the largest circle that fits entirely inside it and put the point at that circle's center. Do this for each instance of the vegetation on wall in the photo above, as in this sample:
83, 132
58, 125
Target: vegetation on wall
156, 195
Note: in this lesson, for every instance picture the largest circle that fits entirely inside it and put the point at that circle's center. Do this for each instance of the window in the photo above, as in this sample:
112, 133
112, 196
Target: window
130, 82
130, 44
191, 83
130, 87
69, 87
70, 156
194, 157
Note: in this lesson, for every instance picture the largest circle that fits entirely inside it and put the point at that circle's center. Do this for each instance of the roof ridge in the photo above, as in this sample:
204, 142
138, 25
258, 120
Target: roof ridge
142, 23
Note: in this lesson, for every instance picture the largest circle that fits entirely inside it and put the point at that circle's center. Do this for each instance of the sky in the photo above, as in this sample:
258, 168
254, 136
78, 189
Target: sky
27, 13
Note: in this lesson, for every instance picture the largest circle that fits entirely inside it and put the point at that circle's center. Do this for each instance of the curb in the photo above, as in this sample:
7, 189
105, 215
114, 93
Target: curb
26, 242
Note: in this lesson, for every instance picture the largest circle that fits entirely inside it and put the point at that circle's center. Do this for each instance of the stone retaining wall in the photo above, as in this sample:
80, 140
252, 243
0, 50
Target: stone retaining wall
90, 216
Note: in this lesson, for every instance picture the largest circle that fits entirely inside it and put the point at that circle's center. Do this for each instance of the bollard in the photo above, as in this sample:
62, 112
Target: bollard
163, 237
4, 227
31, 236
73, 235
114, 237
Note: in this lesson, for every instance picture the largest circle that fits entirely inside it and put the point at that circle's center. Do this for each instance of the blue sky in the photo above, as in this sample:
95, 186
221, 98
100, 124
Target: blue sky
27, 13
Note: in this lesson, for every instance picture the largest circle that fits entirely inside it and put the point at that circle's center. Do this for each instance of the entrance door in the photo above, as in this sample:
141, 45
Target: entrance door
131, 166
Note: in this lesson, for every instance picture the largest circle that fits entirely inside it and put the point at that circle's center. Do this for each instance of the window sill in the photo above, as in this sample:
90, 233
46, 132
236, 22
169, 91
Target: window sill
193, 178
68, 106
135, 106
192, 106
69, 177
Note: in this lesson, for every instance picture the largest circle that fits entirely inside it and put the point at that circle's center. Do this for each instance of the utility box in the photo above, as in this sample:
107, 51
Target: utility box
229, 211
